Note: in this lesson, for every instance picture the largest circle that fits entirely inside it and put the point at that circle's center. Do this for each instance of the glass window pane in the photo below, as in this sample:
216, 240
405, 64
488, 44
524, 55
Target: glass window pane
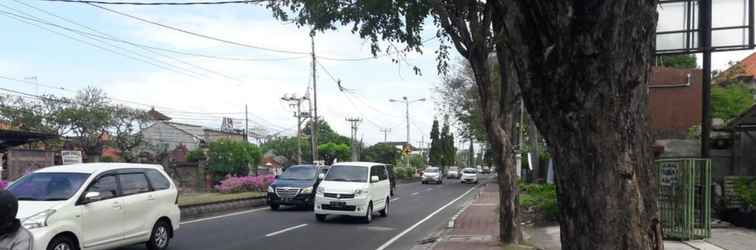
158, 181
133, 183
106, 186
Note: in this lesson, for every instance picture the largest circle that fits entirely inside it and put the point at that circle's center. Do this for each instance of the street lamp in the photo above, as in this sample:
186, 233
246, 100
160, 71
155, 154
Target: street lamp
406, 104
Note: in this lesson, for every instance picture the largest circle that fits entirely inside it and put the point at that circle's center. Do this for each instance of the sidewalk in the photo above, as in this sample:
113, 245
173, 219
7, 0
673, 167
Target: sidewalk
476, 227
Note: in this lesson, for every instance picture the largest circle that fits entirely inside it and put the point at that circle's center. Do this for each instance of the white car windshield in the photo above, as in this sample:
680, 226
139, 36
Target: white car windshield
431, 170
47, 186
469, 171
347, 173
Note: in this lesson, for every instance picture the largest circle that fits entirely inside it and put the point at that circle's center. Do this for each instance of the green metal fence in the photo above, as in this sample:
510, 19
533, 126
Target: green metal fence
685, 198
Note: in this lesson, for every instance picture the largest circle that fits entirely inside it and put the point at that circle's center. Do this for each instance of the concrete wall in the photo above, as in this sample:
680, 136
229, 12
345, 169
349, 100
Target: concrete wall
21, 161
163, 134
217, 135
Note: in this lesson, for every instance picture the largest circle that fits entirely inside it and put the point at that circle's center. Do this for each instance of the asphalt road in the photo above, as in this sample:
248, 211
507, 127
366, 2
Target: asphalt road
409, 221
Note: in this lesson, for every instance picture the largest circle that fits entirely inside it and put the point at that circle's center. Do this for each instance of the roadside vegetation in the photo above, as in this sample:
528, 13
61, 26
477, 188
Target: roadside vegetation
540, 200
745, 188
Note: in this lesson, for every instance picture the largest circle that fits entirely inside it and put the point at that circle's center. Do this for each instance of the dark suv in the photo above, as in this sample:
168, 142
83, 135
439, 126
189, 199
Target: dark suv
296, 186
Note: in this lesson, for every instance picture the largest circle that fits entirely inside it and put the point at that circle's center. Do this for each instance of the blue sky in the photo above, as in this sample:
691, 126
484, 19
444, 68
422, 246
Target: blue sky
28, 51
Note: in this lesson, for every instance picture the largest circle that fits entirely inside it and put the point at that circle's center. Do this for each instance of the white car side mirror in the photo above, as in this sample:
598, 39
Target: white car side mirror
91, 196
321, 176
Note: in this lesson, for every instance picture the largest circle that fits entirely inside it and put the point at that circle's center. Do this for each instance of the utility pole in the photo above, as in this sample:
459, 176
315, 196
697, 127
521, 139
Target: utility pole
296, 102
315, 118
406, 105
354, 122
246, 124
385, 132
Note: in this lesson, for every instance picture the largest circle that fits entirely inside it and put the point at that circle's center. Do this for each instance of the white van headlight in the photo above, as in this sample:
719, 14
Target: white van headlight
321, 190
360, 192
38, 220
271, 190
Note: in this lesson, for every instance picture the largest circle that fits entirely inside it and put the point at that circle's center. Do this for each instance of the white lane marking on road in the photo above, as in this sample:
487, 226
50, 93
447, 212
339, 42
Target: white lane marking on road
394, 199
284, 230
428, 189
224, 216
415, 193
392, 240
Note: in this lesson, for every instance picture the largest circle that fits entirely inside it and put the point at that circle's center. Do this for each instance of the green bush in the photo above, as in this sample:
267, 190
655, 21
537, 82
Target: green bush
404, 173
542, 197
746, 190
196, 156
107, 158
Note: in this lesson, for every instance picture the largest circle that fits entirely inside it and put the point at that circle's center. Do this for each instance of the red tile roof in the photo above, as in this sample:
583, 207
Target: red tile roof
749, 64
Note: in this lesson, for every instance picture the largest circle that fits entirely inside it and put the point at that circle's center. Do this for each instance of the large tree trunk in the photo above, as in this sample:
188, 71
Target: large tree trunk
582, 68
468, 24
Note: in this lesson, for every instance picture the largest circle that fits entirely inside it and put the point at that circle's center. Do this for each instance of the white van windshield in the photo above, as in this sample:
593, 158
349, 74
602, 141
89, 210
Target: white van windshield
47, 186
347, 173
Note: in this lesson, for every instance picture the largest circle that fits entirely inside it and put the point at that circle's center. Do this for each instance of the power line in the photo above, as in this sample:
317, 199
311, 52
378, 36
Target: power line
108, 37
157, 3
197, 34
115, 39
137, 58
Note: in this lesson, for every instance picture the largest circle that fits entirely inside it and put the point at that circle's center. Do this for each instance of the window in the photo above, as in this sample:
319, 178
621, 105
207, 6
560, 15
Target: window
158, 181
134, 183
106, 186
299, 173
347, 173
48, 186
379, 171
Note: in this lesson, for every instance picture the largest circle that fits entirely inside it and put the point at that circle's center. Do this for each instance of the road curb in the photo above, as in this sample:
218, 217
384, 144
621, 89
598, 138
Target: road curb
196, 211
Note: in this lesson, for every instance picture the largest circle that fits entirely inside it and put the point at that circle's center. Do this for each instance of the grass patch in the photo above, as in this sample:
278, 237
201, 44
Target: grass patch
542, 197
207, 198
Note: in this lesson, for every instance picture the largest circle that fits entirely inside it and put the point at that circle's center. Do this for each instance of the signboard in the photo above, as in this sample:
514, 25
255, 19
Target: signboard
669, 175
71, 157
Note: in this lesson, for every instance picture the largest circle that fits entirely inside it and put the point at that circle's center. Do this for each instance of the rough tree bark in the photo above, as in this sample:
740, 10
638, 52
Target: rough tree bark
582, 67
468, 24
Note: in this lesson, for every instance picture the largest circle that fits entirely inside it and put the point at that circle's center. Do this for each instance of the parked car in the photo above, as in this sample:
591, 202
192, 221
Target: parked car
98, 206
295, 186
354, 189
452, 173
469, 175
432, 174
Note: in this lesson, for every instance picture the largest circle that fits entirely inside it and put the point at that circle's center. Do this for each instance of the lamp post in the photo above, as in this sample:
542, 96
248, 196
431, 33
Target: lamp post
407, 102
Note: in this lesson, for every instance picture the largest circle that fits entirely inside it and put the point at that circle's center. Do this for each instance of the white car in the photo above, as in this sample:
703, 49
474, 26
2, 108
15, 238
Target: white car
452, 173
432, 174
469, 175
98, 206
354, 189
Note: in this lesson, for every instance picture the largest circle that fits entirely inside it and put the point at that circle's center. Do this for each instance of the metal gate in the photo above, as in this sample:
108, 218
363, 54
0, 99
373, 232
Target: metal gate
685, 198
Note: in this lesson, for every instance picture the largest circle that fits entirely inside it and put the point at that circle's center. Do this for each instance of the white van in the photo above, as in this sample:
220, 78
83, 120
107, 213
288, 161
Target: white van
354, 189
98, 206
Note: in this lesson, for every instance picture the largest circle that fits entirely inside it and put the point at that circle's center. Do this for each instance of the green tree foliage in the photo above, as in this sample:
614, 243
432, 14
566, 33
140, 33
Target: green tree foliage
326, 134
125, 128
227, 157
730, 101
88, 116
448, 151
332, 151
435, 156
677, 61
460, 99
196, 155
287, 147
38, 115
383, 153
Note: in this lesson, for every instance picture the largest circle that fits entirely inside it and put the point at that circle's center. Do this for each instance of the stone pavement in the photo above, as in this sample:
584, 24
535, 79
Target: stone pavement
733, 238
476, 227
